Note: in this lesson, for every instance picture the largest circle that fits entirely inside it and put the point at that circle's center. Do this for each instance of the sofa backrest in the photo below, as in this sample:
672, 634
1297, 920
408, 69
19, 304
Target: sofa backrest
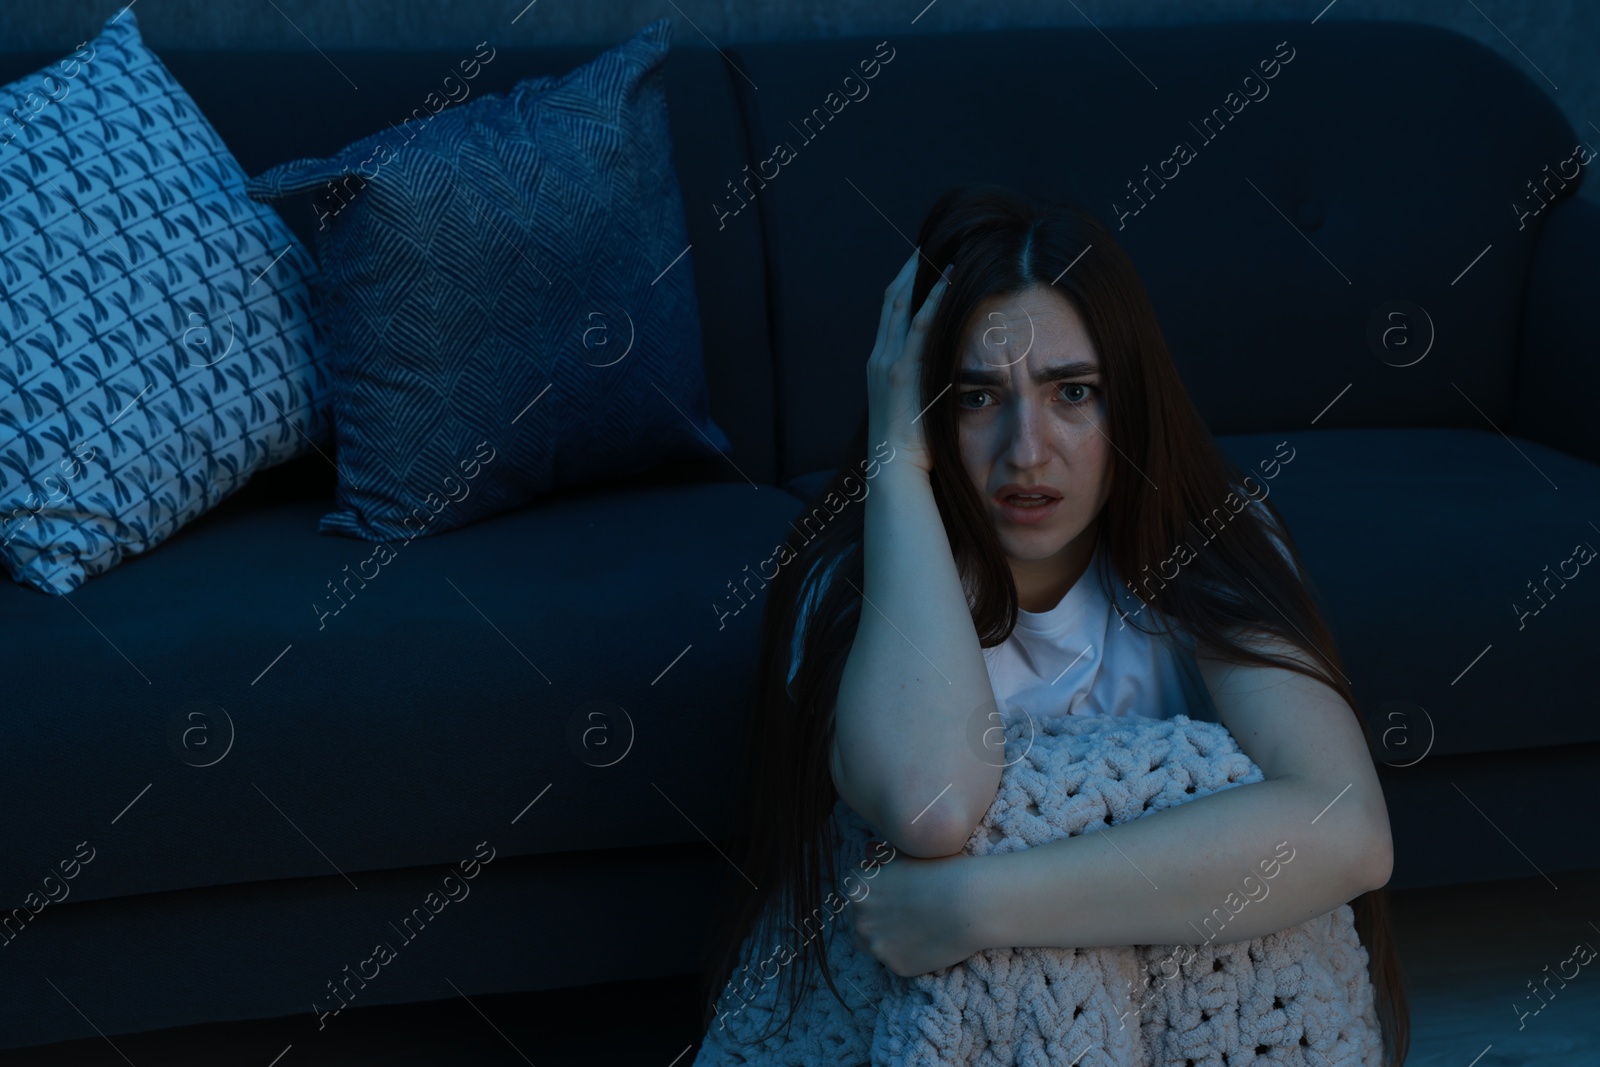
1379, 163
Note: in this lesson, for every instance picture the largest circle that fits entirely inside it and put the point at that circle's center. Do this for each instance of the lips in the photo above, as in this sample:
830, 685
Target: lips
1027, 505
1025, 495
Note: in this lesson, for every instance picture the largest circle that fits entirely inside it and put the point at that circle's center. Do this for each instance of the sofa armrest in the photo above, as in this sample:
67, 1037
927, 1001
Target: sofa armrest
1558, 362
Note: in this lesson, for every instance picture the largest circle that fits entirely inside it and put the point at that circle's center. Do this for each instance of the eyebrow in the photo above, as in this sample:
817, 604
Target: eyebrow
1040, 375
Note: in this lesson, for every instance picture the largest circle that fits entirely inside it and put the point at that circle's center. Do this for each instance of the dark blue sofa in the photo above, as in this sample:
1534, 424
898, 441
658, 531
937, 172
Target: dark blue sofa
265, 800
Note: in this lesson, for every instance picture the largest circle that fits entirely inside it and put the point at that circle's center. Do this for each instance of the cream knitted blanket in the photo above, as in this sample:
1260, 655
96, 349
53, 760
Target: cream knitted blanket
1300, 996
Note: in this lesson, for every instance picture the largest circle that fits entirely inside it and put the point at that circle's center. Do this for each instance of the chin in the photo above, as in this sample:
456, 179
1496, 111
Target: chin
1032, 545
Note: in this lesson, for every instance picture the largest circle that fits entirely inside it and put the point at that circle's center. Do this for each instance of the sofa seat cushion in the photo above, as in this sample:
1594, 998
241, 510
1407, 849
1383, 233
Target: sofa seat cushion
568, 655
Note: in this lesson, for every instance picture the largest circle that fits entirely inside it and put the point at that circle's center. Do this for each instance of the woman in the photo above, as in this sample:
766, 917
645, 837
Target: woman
1041, 470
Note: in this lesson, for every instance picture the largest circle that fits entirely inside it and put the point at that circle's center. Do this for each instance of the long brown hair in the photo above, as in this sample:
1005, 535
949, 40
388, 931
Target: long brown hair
1002, 243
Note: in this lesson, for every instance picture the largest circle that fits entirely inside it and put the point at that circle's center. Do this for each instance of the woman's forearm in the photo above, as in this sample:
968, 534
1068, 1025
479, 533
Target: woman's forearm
1237, 864
915, 698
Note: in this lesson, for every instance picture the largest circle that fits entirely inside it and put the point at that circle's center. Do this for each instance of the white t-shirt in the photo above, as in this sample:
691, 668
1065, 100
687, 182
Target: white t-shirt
1081, 658
1078, 658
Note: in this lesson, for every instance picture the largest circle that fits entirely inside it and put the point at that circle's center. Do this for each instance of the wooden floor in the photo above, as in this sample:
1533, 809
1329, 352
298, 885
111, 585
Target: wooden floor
1470, 953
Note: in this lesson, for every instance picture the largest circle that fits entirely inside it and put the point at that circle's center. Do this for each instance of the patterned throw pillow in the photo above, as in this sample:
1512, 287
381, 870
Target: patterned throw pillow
157, 335
507, 278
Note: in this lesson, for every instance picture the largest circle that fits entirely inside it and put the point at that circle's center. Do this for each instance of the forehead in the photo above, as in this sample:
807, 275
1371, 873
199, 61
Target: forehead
1039, 322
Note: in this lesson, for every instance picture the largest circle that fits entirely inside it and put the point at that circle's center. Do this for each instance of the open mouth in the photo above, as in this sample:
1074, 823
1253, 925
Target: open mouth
1026, 496
1027, 503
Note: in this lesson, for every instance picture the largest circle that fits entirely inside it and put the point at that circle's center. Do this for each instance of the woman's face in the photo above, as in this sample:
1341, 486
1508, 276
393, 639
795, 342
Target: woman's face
1031, 417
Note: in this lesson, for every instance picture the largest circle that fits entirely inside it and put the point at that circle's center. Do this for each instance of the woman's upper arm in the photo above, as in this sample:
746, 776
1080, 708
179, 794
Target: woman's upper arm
1298, 728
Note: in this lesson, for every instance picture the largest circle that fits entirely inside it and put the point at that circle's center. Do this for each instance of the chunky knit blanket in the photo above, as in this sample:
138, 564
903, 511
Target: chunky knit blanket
1300, 996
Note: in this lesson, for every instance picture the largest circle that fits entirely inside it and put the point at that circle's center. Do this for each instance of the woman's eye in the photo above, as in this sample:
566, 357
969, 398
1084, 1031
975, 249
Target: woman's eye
1077, 400
970, 393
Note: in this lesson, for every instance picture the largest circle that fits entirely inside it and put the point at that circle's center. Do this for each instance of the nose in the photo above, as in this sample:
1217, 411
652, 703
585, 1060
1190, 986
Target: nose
1027, 446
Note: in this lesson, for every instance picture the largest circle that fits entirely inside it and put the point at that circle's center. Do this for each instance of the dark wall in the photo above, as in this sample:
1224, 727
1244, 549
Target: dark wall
1555, 42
